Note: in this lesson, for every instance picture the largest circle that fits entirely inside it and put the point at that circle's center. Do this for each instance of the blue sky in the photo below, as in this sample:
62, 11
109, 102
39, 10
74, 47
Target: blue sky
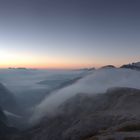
69, 33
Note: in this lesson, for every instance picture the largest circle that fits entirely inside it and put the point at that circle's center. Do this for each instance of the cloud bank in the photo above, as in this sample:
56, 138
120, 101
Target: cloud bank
97, 82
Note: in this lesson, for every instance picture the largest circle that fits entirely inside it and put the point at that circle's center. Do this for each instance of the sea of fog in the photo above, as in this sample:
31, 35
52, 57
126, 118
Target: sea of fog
96, 82
19, 81
31, 86
35, 89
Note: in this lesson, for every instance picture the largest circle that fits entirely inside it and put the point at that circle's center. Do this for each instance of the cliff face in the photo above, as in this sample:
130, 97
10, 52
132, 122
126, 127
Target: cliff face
87, 115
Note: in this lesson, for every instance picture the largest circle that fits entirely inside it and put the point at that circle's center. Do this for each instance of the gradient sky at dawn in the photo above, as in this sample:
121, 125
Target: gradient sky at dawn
69, 33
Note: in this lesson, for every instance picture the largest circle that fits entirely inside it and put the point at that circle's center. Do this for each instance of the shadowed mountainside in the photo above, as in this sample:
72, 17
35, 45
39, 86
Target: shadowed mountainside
5, 130
8, 100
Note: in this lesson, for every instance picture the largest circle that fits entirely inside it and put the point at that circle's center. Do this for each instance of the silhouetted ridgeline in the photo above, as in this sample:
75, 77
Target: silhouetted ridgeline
134, 66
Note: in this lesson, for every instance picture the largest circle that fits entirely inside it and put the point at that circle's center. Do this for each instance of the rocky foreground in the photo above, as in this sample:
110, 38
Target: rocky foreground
114, 115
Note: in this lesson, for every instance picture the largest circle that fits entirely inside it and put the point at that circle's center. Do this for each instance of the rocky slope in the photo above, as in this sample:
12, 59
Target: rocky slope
86, 116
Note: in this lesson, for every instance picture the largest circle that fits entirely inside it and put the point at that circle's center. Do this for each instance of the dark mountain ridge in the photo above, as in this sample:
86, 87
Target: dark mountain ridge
133, 66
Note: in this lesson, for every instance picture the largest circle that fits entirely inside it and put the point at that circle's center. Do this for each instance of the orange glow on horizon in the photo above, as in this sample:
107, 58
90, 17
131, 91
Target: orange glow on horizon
16, 59
53, 66
30, 60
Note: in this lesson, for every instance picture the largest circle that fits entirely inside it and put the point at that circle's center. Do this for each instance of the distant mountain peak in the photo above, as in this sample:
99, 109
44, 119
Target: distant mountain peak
135, 66
108, 67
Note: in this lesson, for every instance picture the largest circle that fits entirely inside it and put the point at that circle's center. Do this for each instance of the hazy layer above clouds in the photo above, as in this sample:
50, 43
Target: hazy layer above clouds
21, 80
25, 83
97, 82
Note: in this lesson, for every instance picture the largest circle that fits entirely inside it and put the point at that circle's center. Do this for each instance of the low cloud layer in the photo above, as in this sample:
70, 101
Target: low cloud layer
97, 82
19, 81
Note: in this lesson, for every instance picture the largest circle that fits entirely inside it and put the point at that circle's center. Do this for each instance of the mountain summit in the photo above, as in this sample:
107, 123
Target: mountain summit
135, 66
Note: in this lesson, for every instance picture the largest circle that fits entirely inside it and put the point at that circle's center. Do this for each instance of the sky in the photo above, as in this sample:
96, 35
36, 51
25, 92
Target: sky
69, 33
